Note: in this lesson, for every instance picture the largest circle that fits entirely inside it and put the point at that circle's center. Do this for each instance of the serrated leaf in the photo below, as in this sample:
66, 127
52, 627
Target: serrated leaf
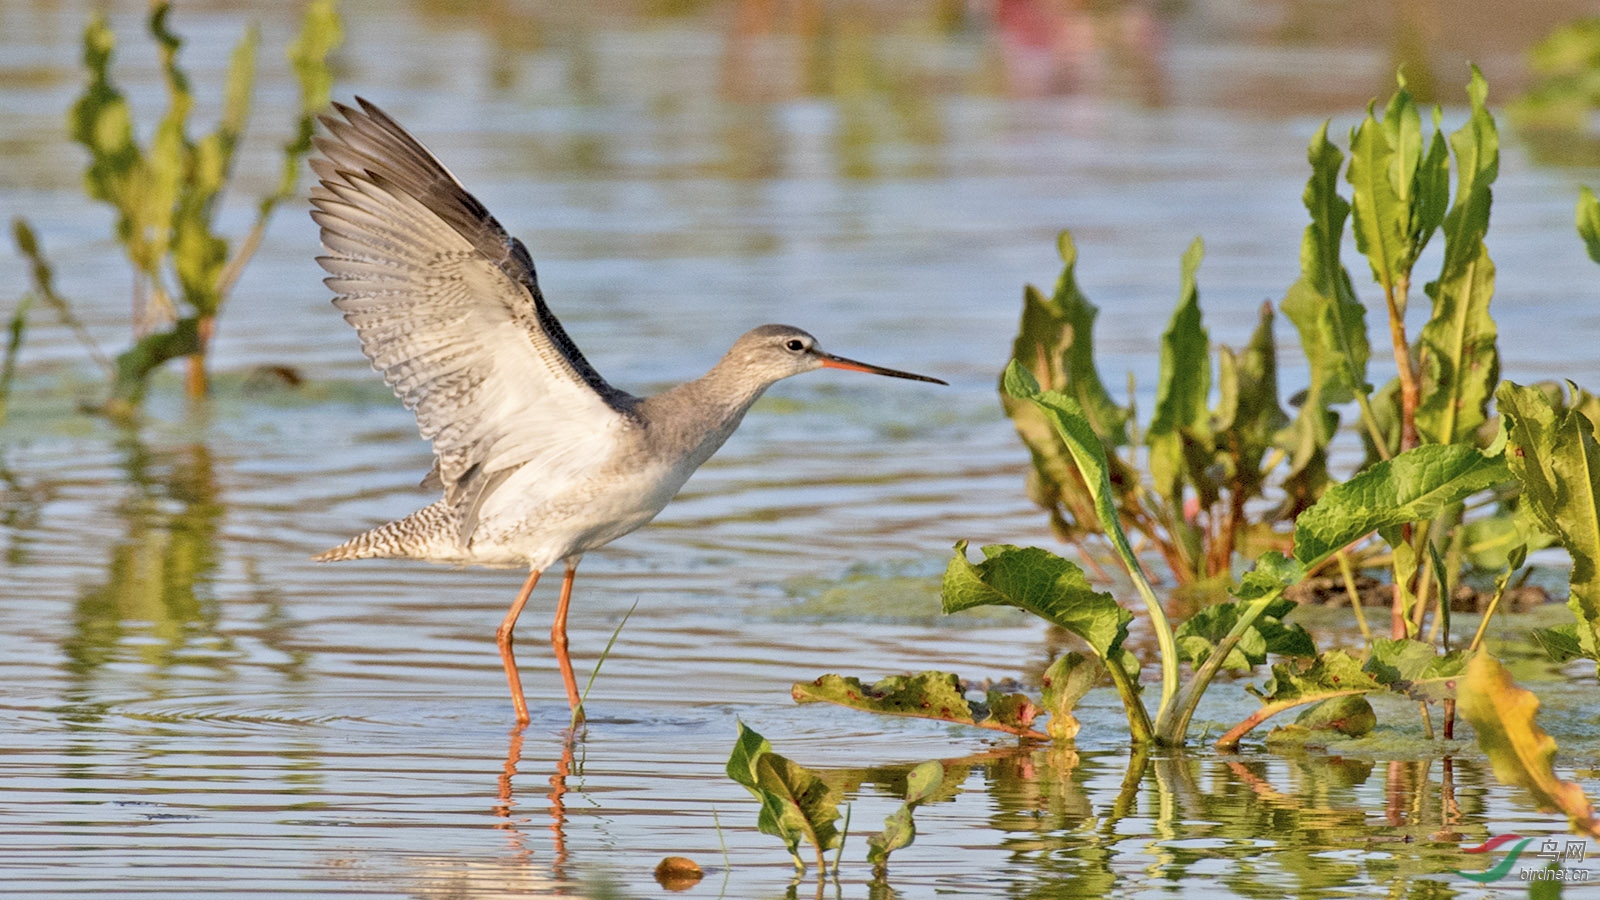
1520, 751
1381, 219
1459, 360
1199, 636
796, 805
928, 695
1040, 582
1561, 643
899, 829
1067, 417
1055, 343
1183, 385
1411, 487
1248, 416
1332, 326
1332, 674
1272, 573
1416, 668
1555, 457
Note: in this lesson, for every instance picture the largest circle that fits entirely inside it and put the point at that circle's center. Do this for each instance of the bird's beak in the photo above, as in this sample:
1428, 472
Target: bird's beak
838, 362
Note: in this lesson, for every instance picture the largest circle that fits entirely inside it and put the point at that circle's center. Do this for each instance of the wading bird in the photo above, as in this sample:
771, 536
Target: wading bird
539, 459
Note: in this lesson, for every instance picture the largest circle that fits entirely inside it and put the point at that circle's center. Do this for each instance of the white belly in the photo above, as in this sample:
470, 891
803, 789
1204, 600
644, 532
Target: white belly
538, 523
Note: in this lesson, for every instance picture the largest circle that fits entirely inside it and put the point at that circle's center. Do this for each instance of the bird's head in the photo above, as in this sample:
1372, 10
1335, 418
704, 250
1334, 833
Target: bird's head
772, 352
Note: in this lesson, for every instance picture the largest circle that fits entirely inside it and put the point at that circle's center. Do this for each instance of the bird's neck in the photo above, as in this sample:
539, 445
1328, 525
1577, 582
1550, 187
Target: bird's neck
696, 417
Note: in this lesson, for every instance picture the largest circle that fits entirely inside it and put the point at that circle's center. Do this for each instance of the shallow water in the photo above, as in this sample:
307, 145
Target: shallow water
189, 707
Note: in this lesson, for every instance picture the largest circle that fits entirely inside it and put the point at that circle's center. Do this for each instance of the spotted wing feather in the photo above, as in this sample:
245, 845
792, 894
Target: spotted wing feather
448, 308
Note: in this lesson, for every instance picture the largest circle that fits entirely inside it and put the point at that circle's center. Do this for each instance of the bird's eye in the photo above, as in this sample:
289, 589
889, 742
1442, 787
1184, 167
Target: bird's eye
795, 345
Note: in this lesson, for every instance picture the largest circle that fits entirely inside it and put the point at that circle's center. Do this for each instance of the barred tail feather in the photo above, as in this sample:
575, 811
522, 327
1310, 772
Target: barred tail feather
431, 533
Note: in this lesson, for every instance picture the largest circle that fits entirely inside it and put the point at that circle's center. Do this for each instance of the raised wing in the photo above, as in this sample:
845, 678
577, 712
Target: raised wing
448, 308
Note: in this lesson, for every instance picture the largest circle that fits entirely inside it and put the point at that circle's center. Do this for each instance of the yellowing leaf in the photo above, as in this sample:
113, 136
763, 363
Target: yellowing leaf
929, 695
1520, 751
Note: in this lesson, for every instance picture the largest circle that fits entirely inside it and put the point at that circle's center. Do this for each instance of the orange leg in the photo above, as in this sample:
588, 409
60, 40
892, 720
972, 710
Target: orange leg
558, 643
502, 639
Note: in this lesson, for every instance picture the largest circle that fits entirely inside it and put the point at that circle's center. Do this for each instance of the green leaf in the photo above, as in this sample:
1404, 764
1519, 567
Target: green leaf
796, 805
1382, 218
1332, 326
1350, 715
1519, 750
1416, 668
1459, 360
929, 695
1067, 417
321, 31
1555, 456
1055, 343
1588, 219
1248, 416
1182, 389
1199, 636
1561, 643
1413, 486
1040, 582
1333, 674
899, 830
135, 364
1067, 680
1272, 573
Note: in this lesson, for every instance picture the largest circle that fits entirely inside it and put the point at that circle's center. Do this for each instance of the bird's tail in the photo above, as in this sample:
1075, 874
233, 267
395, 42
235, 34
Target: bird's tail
431, 533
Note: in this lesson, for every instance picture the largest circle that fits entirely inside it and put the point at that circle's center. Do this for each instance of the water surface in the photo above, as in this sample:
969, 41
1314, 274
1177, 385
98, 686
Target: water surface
190, 707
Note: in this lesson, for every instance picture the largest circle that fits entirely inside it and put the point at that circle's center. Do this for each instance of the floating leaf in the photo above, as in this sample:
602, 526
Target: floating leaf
1411, 487
1332, 674
1520, 751
796, 805
929, 695
899, 830
1350, 715
1557, 460
1416, 668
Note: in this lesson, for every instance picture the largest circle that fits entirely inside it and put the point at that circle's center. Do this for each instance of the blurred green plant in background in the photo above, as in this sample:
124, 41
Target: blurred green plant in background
166, 195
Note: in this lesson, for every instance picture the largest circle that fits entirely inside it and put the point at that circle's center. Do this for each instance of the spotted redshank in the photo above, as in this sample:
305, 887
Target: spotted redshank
539, 459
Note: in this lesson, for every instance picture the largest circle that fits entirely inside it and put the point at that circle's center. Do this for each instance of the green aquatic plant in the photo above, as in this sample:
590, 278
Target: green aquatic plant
1432, 442
796, 806
899, 829
799, 807
167, 194
1197, 483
